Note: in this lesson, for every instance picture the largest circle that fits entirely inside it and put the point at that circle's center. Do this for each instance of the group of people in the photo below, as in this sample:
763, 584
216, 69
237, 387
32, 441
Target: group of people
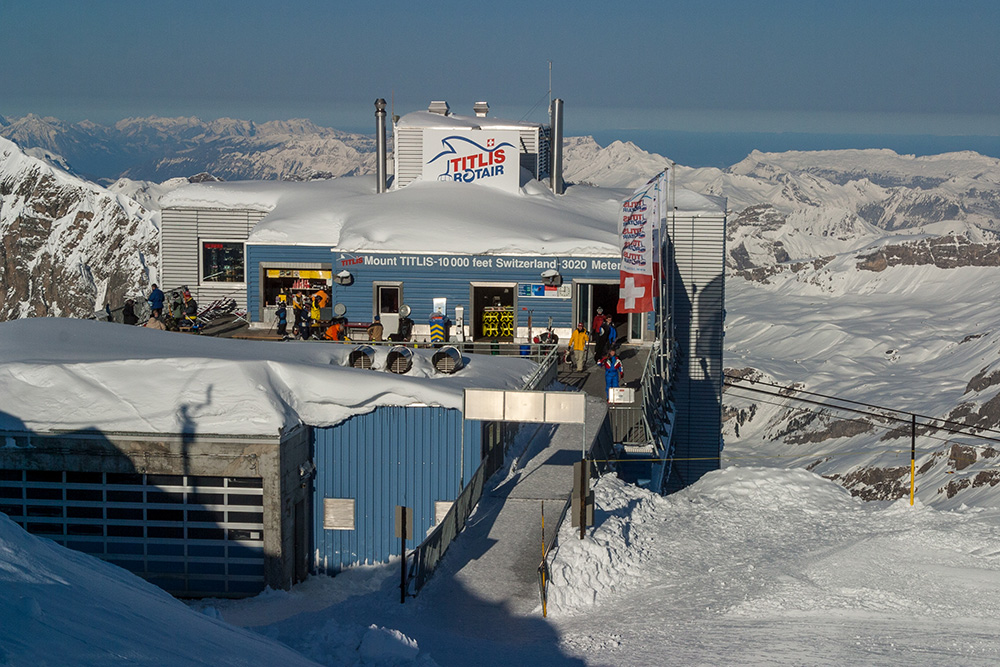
307, 319
604, 337
182, 310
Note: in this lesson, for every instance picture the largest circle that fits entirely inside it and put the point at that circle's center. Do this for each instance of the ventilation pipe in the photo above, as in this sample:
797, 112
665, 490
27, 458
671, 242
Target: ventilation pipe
555, 174
363, 356
380, 150
447, 359
399, 360
481, 109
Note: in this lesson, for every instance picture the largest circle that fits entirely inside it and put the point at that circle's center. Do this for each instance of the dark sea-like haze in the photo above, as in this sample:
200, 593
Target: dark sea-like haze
722, 149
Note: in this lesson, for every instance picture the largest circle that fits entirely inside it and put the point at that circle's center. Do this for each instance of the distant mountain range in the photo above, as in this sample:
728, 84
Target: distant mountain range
157, 149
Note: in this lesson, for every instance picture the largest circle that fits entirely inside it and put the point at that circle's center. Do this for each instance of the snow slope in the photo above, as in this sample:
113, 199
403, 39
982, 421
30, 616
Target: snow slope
62, 607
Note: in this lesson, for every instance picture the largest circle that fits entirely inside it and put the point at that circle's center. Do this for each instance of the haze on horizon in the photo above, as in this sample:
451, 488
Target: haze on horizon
899, 66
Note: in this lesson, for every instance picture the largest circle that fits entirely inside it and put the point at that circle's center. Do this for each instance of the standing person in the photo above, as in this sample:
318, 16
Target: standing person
281, 316
375, 329
598, 319
314, 306
601, 340
305, 325
156, 298
298, 308
612, 334
613, 370
191, 310
578, 346
128, 314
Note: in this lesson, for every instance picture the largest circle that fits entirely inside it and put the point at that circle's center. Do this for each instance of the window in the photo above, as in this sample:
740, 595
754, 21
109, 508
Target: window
222, 262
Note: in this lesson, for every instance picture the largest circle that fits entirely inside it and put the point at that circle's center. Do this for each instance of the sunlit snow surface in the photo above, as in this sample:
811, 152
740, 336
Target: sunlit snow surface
748, 566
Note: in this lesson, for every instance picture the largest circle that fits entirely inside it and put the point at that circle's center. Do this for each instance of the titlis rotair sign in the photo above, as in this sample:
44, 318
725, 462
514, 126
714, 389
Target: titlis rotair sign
473, 156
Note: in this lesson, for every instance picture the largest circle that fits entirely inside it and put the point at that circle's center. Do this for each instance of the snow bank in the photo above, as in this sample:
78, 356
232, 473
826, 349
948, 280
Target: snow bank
62, 607
75, 374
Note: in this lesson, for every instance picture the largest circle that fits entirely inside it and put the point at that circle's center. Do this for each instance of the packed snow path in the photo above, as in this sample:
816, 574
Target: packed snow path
495, 559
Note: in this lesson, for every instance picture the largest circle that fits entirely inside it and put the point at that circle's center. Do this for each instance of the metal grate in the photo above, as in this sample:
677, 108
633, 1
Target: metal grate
191, 535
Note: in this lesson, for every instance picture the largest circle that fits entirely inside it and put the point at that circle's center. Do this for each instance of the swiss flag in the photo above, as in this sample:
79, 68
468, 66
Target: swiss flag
635, 293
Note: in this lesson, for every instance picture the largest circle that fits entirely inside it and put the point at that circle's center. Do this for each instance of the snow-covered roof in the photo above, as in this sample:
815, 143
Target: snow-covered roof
58, 374
438, 217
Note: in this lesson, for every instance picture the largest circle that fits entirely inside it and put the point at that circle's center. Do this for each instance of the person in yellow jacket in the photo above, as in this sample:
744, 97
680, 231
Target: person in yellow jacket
578, 346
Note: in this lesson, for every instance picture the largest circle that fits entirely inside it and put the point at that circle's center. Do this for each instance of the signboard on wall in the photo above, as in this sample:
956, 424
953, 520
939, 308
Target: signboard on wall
486, 157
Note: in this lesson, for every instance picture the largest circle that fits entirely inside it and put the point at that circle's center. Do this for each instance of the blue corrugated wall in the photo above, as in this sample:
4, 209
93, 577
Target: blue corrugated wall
424, 279
392, 456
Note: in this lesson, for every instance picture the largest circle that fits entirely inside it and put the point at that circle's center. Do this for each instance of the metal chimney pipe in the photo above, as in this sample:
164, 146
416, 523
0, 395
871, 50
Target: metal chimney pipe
555, 173
380, 149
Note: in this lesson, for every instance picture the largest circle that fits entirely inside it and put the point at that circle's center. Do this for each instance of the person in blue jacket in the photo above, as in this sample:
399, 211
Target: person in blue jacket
282, 317
156, 299
613, 369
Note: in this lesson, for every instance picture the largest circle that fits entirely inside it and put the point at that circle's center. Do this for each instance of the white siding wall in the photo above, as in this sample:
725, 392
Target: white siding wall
181, 233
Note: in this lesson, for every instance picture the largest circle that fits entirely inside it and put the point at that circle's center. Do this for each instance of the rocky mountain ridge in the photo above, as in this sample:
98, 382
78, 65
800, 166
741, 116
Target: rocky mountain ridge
157, 149
68, 246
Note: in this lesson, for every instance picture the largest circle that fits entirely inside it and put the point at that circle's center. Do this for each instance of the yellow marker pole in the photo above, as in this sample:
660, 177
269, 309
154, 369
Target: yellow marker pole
913, 454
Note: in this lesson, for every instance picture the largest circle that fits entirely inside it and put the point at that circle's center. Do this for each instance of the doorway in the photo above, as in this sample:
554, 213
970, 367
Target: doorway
593, 295
388, 299
493, 311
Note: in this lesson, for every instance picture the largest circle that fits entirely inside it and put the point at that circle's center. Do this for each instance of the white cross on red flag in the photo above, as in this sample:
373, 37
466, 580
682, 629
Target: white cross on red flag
638, 234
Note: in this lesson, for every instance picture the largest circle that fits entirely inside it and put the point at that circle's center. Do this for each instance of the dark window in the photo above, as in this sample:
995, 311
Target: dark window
206, 568
8, 492
206, 551
245, 482
206, 481
207, 516
164, 497
44, 494
166, 567
125, 478
124, 531
84, 529
84, 478
124, 496
54, 476
125, 513
162, 532
206, 533
45, 510
205, 499
246, 517
235, 499
222, 262
164, 549
85, 512
246, 569
165, 480
91, 495
10, 475
165, 515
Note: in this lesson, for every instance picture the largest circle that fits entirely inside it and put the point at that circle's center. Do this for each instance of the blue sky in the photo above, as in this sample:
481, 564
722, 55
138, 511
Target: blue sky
707, 65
